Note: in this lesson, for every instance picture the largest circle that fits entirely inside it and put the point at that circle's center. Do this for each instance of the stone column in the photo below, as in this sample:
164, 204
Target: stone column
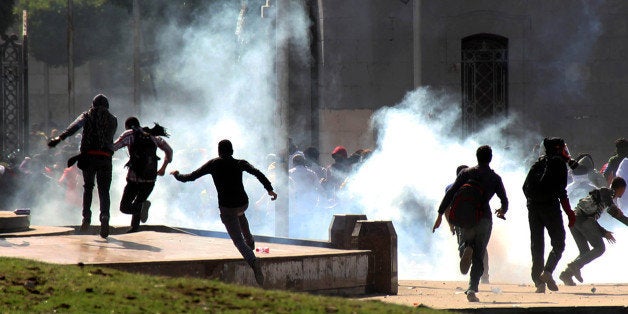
381, 239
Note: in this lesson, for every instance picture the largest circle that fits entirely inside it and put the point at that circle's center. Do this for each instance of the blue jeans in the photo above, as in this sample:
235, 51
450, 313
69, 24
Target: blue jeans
585, 231
238, 229
476, 237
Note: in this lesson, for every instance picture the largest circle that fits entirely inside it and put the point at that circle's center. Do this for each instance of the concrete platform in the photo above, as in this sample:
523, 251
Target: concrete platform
511, 298
172, 253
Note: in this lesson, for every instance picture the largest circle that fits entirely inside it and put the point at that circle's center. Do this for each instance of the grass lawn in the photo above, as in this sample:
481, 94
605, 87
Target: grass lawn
34, 287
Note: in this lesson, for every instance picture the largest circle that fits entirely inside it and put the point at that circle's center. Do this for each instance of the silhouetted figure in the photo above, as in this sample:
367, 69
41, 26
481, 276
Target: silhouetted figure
474, 239
99, 127
545, 191
142, 144
226, 172
621, 152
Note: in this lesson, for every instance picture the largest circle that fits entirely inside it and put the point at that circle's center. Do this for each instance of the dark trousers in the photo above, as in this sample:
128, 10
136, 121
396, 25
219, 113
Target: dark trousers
135, 193
543, 217
238, 229
96, 168
461, 246
477, 237
585, 231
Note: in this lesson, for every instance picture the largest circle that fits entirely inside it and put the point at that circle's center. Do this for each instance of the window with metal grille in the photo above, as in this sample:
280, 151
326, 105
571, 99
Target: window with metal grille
484, 80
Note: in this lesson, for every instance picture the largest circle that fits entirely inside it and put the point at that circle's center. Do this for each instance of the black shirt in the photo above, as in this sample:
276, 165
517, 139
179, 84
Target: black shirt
227, 175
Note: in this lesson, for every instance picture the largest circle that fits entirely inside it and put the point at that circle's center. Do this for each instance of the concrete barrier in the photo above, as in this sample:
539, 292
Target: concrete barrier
381, 239
341, 230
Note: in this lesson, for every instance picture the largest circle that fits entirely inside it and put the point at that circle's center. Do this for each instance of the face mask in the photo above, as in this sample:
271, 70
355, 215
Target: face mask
565, 153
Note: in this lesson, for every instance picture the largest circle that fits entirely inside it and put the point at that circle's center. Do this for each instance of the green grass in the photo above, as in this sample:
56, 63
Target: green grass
34, 287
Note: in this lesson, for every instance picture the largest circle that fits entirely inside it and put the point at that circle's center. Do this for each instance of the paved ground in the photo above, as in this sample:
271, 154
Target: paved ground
38, 244
140, 246
450, 295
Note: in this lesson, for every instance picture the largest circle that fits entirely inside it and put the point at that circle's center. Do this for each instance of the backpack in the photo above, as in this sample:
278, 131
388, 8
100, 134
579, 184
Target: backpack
143, 156
466, 207
532, 186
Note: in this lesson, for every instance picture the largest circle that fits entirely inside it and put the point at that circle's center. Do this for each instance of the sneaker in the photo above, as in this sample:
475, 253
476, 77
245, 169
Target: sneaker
465, 260
540, 288
85, 225
471, 297
565, 276
546, 277
575, 272
104, 228
257, 270
144, 211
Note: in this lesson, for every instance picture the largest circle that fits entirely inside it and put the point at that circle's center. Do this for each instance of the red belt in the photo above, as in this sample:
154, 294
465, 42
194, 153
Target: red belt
99, 153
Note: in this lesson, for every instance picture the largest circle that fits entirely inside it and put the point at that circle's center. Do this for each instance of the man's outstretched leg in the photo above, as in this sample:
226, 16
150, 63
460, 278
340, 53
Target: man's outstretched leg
229, 217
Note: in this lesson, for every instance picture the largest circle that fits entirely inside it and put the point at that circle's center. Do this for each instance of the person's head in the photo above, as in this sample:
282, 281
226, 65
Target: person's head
100, 100
298, 160
619, 186
460, 168
621, 146
131, 122
225, 149
339, 153
556, 146
484, 154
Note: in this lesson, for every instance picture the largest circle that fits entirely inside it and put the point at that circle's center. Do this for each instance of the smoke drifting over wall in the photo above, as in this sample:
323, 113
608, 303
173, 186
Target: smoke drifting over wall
213, 85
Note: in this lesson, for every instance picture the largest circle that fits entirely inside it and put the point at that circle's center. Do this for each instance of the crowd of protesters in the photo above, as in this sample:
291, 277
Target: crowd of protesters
315, 191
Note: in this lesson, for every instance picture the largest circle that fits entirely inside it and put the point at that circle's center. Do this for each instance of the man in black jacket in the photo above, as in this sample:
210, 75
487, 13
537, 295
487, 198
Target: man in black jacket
475, 239
226, 172
545, 191
99, 127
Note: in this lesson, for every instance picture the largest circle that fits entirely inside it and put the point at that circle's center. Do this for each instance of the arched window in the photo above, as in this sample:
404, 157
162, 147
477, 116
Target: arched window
484, 68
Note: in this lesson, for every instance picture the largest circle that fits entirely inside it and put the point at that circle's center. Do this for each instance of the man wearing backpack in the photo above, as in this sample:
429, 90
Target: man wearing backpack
142, 144
587, 230
476, 234
545, 191
99, 127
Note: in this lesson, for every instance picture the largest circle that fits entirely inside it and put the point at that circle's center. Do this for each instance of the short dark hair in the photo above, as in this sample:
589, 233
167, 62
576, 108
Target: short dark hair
225, 148
618, 182
460, 168
484, 154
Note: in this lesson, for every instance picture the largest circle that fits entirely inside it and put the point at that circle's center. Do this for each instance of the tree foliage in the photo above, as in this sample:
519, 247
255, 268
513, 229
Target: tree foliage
6, 15
98, 29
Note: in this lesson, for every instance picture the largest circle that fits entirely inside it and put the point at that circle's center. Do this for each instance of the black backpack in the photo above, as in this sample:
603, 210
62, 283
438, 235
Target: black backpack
532, 186
143, 156
466, 207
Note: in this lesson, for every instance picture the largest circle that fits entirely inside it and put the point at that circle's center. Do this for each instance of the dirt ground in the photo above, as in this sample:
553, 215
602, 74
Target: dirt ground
450, 295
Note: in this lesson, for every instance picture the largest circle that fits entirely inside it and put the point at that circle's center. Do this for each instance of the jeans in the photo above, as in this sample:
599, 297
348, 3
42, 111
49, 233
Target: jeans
586, 231
135, 193
96, 168
540, 217
238, 229
477, 237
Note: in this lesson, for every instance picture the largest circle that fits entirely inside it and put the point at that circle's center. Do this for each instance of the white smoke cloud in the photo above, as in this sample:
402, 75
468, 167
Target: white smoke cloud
213, 85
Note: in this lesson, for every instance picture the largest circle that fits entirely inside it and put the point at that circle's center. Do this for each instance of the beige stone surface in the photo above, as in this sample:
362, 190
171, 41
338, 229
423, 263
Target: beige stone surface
141, 246
450, 295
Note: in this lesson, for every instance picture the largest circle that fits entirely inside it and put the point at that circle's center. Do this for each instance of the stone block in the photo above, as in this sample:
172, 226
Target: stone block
341, 230
381, 239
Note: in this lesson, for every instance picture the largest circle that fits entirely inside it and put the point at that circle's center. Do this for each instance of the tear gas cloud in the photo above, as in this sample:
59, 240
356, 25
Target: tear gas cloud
213, 85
